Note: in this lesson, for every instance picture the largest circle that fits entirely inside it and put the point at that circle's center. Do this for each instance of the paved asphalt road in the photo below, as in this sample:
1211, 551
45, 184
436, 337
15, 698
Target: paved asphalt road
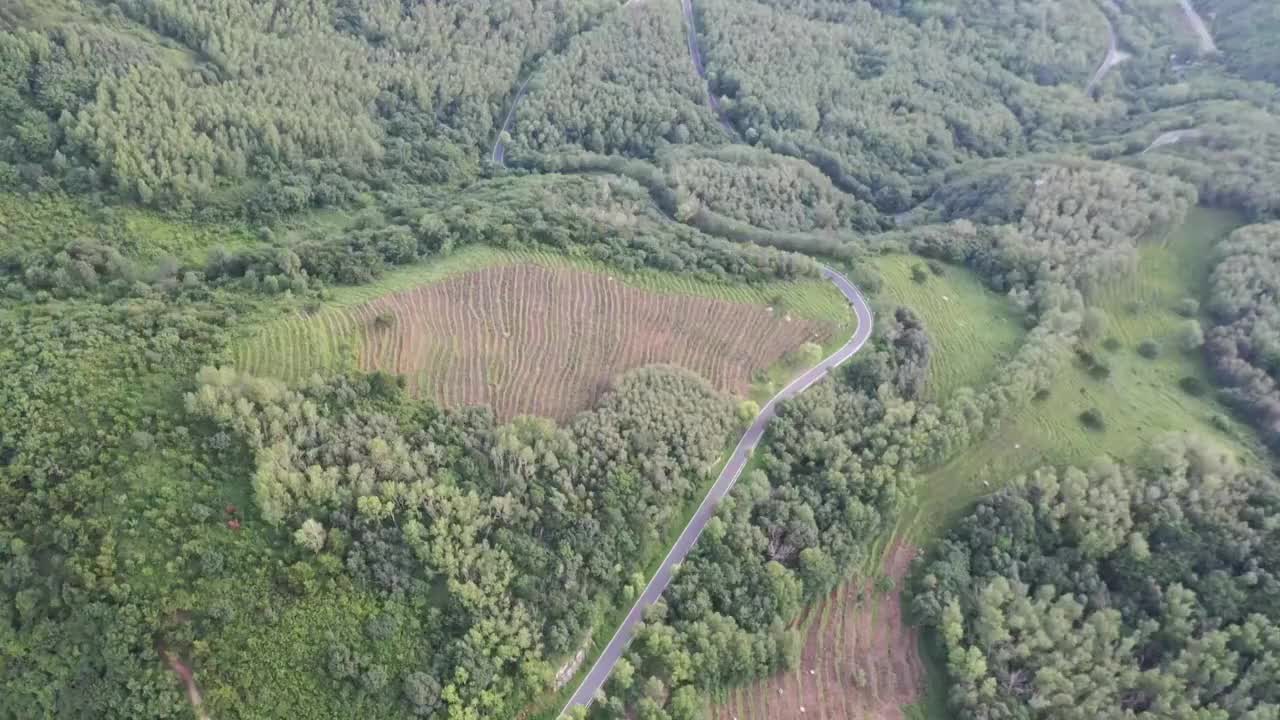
1114, 57
595, 679
499, 156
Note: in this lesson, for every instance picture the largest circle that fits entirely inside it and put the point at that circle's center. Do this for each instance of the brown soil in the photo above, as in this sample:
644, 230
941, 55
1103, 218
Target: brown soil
860, 660
525, 339
188, 680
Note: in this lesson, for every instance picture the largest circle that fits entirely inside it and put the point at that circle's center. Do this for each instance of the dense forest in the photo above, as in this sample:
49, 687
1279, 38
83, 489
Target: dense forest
337, 547
1118, 590
622, 88
1244, 345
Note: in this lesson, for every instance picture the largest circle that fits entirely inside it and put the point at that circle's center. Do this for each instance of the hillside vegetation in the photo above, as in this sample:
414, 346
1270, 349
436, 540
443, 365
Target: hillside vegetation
224, 222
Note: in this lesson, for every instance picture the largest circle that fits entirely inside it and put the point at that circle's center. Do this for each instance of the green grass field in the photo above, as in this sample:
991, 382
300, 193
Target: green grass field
286, 344
972, 330
1140, 401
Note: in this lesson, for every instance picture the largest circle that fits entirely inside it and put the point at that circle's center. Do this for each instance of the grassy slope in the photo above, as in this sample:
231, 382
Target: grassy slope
283, 339
971, 329
1140, 401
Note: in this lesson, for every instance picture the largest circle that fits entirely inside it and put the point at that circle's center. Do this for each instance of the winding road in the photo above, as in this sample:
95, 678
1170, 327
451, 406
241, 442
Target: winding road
1114, 57
604, 664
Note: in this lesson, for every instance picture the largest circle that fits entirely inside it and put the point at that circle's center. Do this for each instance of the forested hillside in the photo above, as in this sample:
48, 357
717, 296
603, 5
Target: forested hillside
1244, 345
184, 179
1119, 590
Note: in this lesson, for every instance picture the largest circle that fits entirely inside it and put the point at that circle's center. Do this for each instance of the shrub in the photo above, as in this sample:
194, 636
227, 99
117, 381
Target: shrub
385, 320
1041, 395
920, 273
1099, 371
1093, 420
867, 278
1111, 344
1191, 335
884, 584
1188, 307
1149, 349
1094, 324
937, 268
1192, 386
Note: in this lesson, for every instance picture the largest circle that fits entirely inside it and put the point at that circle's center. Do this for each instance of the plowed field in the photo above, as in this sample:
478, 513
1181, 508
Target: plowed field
860, 660
525, 338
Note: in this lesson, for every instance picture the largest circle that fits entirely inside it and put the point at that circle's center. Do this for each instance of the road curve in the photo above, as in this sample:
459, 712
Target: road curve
1114, 57
604, 664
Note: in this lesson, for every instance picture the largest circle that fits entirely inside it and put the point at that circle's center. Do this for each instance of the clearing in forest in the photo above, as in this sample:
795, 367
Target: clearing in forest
530, 334
972, 330
860, 659
1137, 398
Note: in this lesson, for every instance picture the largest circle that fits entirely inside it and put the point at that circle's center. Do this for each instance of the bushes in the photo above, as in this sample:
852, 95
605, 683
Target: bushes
1191, 336
1192, 386
1149, 349
1093, 420
1092, 365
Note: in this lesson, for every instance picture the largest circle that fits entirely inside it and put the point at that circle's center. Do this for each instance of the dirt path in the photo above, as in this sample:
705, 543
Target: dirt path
189, 682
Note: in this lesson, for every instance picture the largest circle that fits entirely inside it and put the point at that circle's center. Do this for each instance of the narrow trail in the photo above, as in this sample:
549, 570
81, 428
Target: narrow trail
189, 682
1114, 57
1207, 45
604, 664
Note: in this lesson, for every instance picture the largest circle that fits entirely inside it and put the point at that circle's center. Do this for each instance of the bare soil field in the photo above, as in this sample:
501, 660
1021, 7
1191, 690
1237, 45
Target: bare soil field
860, 660
529, 339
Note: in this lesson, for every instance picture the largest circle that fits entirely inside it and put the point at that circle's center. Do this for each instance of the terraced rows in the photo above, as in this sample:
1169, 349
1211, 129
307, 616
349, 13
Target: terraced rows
860, 660
524, 338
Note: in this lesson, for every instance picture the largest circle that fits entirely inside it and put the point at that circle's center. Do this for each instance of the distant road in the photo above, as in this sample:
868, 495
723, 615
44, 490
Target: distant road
1197, 24
499, 148
713, 102
604, 665
1114, 57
